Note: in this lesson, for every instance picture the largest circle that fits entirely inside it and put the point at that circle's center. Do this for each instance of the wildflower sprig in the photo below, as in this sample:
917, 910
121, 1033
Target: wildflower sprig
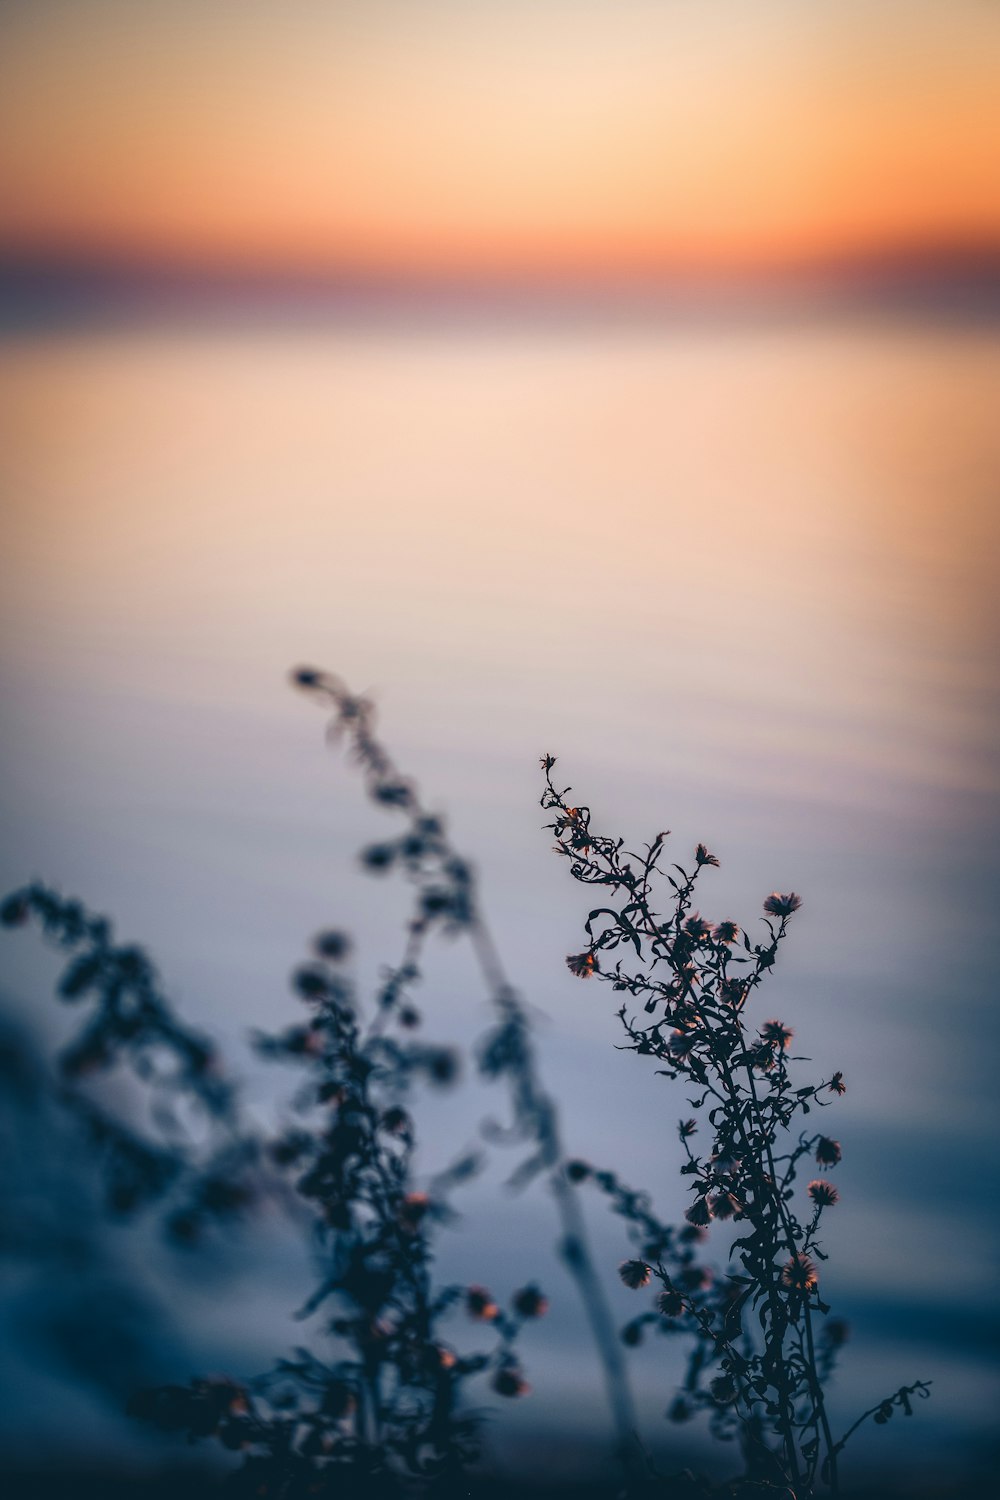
396, 1412
390, 1404
125, 1021
760, 1360
445, 899
388, 1407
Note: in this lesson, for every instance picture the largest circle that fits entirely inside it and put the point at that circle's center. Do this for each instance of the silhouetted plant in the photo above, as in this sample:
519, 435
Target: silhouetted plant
386, 1407
128, 1023
763, 1343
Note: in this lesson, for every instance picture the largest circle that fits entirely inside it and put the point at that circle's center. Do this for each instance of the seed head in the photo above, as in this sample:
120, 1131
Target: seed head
732, 991
333, 945
682, 1044
634, 1273
777, 905
699, 1213
510, 1382
799, 1273
828, 1152
480, 1305
777, 1032
530, 1303
15, 911
582, 965
670, 1304
724, 1205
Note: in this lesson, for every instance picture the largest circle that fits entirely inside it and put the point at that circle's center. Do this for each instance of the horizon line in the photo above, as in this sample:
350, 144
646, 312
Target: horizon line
954, 278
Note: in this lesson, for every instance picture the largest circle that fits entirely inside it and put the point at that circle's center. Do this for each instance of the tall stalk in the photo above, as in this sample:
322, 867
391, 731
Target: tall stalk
758, 1368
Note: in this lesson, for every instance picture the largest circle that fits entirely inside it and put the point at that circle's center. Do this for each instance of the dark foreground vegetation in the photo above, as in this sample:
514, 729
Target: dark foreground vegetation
387, 1404
182, 1483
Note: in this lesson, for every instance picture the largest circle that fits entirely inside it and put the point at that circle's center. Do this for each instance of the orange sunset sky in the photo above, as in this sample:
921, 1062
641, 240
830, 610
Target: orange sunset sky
497, 136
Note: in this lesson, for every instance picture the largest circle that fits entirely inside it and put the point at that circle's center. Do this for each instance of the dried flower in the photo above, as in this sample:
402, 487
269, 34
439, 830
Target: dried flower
582, 965
828, 1152
703, 857
333, 945
378, 856
822, 1193
311, 983
480, 1305
727, 1159
762, 1056
777, 905
15, 911
697, 928
799, 1273
530, 1303
392, 793
837, 1084
442, 1065
726, 932
724, 1205
699, 1213
687, 1128
682, 1044
777, 1032
670, 1304
732, 991
634, 1273
509, 1381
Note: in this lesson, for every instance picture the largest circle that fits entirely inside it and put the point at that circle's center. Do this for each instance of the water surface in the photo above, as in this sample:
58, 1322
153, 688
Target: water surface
742, 582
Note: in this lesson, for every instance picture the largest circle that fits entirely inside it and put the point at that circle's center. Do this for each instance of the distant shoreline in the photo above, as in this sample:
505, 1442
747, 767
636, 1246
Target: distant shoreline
48, 292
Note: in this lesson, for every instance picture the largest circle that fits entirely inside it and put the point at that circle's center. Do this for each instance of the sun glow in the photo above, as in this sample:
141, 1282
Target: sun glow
444, 139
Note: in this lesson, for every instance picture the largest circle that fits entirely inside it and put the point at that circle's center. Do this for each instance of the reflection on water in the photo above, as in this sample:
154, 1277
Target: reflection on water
742, 583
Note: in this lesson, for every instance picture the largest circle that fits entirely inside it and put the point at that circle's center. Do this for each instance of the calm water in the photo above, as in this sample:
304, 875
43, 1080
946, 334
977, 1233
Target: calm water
742, 583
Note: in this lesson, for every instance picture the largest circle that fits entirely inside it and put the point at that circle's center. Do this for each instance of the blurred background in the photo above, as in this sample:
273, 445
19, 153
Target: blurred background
614, 381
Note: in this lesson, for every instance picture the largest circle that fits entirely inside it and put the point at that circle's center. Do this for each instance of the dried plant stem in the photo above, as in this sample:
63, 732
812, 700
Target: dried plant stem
694, 978
574, 1246
535, 1110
